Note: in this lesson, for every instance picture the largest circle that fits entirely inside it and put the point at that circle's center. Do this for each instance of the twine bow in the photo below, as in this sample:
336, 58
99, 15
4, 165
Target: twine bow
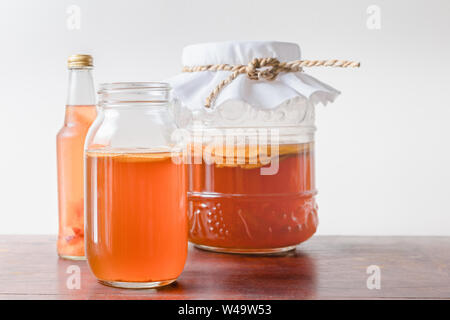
263, 69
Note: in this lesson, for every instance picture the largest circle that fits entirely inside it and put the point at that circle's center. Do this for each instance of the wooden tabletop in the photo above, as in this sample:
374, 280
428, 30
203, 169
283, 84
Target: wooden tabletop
322, 268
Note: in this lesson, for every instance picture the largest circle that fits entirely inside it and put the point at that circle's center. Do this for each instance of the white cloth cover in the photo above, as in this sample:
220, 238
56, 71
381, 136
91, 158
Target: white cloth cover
192, 88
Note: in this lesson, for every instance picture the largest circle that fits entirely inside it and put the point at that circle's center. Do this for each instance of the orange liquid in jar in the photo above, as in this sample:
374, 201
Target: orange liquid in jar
70, 160
234, 206
136, 216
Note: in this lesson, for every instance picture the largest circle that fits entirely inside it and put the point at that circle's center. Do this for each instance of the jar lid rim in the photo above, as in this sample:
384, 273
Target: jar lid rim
119, 86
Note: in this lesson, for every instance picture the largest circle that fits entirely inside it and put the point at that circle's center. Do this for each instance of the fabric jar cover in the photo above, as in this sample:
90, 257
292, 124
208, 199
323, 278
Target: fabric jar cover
192, 88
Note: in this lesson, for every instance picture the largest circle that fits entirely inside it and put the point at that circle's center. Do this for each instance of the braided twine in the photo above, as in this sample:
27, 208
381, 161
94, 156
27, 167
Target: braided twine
264, 69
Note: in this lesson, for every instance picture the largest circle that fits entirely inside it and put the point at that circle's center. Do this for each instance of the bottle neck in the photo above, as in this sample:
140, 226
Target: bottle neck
81, 87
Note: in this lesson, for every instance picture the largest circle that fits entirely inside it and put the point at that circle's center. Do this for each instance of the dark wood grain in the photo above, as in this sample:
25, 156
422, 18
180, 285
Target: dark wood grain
321, 268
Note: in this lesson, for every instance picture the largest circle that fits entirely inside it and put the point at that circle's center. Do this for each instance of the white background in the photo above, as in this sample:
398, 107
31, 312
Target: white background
382, 147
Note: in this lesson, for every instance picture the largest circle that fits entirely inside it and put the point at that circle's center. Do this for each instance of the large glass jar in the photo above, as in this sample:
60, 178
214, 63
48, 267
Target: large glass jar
251, 169
136, 223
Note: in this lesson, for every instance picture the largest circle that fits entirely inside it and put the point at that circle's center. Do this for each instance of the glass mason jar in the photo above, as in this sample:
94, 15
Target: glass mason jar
136, 223
251, 170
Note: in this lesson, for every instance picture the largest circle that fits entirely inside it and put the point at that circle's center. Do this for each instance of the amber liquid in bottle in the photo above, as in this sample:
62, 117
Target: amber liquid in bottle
80, 113
136, 217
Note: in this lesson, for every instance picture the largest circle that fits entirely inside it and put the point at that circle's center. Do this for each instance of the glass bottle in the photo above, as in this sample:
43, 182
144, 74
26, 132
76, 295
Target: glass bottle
79, 115
136, 221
